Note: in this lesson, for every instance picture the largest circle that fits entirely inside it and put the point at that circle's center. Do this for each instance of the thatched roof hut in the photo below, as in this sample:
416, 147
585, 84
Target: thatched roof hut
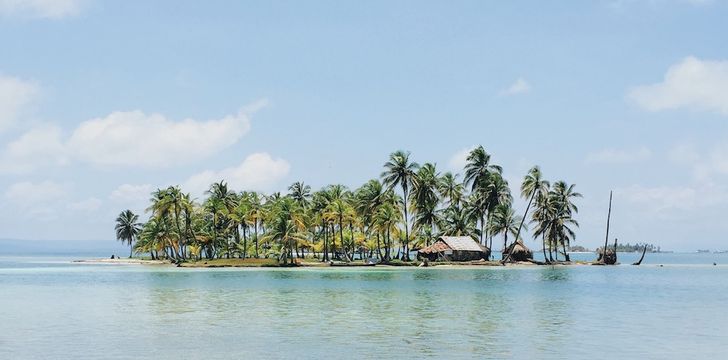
454, 248
520, 252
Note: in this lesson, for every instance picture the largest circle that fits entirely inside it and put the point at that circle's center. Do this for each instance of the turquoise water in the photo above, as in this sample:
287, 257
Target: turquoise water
53, 309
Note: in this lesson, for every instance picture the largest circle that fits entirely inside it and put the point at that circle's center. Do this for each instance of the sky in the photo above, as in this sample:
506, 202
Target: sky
101, 102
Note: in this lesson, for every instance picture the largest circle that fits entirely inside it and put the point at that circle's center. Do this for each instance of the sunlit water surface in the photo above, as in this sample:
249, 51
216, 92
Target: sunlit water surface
53, 309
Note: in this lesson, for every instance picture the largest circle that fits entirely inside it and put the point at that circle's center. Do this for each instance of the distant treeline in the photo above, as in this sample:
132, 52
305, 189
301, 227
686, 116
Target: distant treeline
637, 247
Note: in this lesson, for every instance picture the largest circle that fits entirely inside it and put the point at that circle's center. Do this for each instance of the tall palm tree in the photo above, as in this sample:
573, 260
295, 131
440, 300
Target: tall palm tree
533, 185
368, 198
386, 219
478, 175
127, 228
564, 195
221, 202
450, 188
399, 170
301, 193
286, 226
425, 199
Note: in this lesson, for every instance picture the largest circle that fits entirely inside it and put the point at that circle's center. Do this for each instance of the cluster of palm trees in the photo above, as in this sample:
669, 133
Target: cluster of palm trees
410, 207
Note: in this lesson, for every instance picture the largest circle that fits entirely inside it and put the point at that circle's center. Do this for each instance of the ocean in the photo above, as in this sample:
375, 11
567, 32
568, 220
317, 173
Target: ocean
672, 306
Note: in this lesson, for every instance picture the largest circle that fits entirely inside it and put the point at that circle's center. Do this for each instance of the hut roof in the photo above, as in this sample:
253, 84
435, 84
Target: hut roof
519, 247
456, 243
462, 243
438, 246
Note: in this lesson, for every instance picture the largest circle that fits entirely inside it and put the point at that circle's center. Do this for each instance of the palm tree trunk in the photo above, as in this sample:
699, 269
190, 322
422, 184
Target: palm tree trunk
379, 247
245, 242
130, 248
543, 241
255, 224
518, 233
406, 226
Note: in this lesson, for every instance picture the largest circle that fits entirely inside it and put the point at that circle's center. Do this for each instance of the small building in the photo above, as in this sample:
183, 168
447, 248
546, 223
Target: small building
520, 252
454, 248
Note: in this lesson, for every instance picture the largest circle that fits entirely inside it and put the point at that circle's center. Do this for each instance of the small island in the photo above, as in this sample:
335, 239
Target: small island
386, 221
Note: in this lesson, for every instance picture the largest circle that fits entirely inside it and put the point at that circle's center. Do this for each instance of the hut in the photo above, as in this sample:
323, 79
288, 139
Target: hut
454, 248
520, 252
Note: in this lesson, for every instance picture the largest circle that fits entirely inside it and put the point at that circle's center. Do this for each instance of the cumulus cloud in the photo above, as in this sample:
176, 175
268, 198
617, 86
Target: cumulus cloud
38, 147
259, 171
137, 139
28, 193
520, 86
692, 84
15, 95
51, 9
619, 156
133, 139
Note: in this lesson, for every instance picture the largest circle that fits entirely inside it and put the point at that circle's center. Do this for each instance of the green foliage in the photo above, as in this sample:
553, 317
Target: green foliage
336, 223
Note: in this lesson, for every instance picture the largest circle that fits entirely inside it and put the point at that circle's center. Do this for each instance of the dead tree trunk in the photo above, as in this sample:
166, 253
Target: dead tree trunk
644, 250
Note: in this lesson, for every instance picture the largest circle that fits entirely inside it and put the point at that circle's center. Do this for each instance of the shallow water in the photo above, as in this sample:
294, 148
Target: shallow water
53, 309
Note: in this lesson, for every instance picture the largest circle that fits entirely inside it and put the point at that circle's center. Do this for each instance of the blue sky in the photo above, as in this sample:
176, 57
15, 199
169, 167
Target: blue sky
103, 101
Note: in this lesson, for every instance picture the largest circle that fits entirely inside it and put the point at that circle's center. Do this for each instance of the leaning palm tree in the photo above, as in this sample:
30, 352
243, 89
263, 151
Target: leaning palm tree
400, 171
128, 228
533, 185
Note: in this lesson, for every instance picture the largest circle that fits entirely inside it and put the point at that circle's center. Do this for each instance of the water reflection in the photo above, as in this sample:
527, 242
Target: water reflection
555, 273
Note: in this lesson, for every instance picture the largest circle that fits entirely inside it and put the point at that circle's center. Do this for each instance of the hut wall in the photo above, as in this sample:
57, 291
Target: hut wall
461, 255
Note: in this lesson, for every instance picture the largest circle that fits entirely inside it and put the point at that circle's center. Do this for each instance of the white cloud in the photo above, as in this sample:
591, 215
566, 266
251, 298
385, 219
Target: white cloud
259, 171
458, 160
692, 83
133, 139
137, 139
128, 193
52, 9
664, 199
38, 147
520, 86
619, 156
15, 95
27, 193
87, 205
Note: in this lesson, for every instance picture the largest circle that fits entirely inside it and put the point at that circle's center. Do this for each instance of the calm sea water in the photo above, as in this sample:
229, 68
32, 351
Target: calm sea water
53, 309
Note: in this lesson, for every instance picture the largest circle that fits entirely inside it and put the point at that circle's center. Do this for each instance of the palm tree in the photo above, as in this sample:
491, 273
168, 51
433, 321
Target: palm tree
127, 228
425, 200
450, 188
478, 171
505, 221
300, 193
564, 195
221, 201
368, 199
340, 211
286, 226
533, 185
387, 217
400, 171
459, 221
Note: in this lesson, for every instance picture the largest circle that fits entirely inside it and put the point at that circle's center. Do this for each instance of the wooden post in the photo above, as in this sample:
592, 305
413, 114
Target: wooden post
606, 238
